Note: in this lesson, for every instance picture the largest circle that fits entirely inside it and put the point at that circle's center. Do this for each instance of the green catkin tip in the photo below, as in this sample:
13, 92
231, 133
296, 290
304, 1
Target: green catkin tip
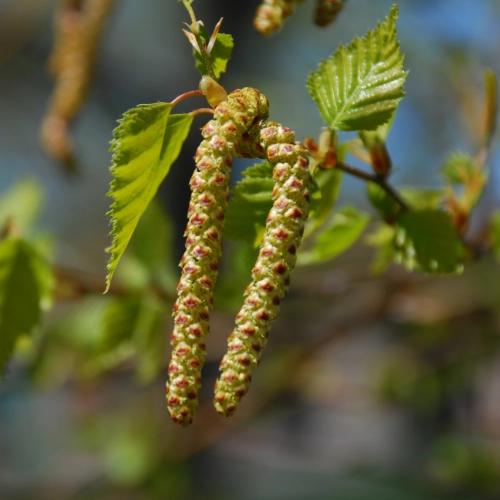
271, 14
276, 260
327, 11
234, 117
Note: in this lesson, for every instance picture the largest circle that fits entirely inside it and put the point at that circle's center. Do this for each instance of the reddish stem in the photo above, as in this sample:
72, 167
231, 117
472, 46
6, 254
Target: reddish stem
199, 111
185, 96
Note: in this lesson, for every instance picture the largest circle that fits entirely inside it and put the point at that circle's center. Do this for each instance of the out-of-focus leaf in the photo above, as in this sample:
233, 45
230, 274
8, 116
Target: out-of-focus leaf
422, 198
459, 168
145, 145
235, 275
149, 258
386, 205
382, 239
345, 227
100, 333
219, 56
360, 86
248, 208
328, 182
25, 288
21, 204
428, 241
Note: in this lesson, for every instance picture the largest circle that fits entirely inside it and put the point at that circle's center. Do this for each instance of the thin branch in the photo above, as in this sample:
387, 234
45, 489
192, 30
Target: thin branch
377, 179
199, 111
185, 96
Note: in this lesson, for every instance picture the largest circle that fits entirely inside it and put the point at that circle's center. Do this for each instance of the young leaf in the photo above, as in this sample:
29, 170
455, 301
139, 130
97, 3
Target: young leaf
360, 86
247, 210
145, 145
219, 55
459, 168
428, 241
342, 232
25, 283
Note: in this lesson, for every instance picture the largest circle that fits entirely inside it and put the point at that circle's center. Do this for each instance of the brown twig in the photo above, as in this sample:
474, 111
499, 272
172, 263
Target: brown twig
377, 179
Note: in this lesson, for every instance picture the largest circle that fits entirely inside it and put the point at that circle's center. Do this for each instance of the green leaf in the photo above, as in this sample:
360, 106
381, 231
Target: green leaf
145, 145
379, 135
100, 333
422, 198
149, 258
459, 168
248, 208
219, 56
385, 204
382, 239
328, 184
21, 204
25, 286
428, 241
360, 86
235, 276
345, 227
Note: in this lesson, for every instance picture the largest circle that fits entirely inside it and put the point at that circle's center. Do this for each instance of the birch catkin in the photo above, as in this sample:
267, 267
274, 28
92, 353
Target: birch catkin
271, 14
327, 11
243, 109
271, 274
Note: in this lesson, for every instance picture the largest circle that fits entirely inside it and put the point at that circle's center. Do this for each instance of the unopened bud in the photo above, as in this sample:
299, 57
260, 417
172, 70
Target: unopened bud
214, 92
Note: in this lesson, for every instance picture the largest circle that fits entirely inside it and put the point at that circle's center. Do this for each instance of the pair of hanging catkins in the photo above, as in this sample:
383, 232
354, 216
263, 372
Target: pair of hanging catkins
238, 129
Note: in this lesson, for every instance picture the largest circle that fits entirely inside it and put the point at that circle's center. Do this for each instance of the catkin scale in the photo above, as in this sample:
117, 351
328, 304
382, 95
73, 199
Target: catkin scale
271, 14
276, 260
243, 110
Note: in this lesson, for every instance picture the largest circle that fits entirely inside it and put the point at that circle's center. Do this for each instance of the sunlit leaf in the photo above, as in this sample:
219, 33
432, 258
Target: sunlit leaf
146, 143
220, 54
345, 227
360, 86
428, 241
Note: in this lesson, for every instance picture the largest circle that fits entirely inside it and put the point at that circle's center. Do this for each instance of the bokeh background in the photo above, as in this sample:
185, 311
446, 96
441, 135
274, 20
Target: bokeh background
371, 388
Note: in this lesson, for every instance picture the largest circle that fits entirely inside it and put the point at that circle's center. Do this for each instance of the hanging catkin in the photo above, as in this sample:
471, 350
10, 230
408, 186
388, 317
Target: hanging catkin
271, 14
77, 32
276, 260
243, 110
327, 11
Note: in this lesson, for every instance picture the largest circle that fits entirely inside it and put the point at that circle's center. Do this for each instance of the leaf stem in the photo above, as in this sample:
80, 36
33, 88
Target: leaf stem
185, 96
377, 179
